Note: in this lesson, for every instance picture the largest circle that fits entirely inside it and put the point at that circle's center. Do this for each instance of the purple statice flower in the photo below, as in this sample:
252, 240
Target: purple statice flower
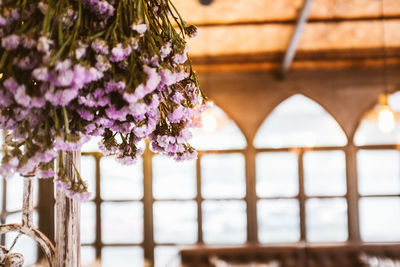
27, 42
102, 63
119, 52
28, 62
85, 114
105, 10
41, 74
3, 21
169, 78
63, 185
114, 86
5, 98
11, 84
153, 80
10, 42
68, 17
177, 97
80, 52
117, 114
61, 144
95, 99
33, 162
42, 7
100, 46
64, 78
61, 97
139, 28
101, 8
188, 155
107, 151
79, 196
21, 97
126, 158
134, 42
46, 156
44, 174
38, 102
181, 58
44, 44
178, 114
166, 50
152, 61
9, 167
28, 167
14, 14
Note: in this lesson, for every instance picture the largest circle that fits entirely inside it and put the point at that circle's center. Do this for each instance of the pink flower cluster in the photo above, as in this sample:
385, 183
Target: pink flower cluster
126, 83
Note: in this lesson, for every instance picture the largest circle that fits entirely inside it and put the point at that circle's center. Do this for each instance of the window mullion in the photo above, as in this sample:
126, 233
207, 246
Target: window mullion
199, 201
148, 223
98, 241
302, 197
352, 194
251, 198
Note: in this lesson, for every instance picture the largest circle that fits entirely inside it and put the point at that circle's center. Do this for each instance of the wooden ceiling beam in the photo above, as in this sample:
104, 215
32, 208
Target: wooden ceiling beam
294, 41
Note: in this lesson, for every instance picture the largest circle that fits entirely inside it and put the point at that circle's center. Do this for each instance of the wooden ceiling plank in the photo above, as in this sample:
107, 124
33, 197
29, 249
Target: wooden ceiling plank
253, 39
228, 11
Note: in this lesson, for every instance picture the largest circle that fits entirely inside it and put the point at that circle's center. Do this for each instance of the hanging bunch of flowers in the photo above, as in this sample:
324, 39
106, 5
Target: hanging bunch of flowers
74, 69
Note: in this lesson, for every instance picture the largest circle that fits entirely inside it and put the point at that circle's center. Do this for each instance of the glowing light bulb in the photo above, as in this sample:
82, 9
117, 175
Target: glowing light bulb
209, 122
386, 119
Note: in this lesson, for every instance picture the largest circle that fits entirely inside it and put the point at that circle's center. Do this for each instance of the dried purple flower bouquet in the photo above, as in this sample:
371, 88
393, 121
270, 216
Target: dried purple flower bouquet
74, 69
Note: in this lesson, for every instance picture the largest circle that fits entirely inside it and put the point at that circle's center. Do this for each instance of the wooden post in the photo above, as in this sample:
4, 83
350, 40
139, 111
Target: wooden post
68, 217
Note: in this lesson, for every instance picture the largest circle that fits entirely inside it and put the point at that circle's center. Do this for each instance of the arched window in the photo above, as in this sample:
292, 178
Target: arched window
203, 195
301, 174
378, 169
151, 209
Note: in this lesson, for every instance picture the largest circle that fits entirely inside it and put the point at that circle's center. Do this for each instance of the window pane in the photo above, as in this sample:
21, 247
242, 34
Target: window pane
122, 257
88, 256
299, 122
224, 222
15, 188
218, 132
223, 176
122, 222
17, 218
326, 220
88, 222
175, 222
368, 132
378, 171
92, 145
277, 174
88, 173
119, 181
278, 220
173, 180
325, 173
166, 256
25, 245
380, 219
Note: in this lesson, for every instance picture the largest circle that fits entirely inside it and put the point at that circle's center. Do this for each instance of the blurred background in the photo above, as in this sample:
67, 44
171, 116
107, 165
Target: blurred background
300, 147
